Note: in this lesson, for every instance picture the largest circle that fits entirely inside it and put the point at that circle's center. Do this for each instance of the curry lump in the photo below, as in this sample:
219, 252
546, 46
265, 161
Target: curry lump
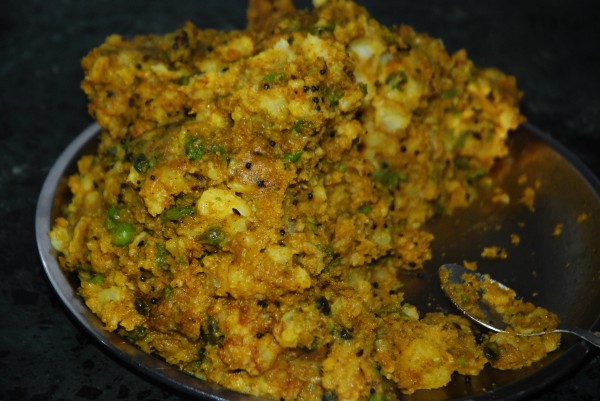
255, 192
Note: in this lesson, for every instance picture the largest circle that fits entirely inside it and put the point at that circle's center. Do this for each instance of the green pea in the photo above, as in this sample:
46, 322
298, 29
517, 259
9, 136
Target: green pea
123, 234
214, 235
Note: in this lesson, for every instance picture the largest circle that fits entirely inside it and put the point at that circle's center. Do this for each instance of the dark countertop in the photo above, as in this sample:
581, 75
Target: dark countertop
551, 47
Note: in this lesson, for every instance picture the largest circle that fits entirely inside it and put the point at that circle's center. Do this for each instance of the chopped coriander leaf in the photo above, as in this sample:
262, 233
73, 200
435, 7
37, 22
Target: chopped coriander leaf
449, 94
365, 209
194, 148
298, 125
396, 80
275, 77
292, 157
389, 177
333, 95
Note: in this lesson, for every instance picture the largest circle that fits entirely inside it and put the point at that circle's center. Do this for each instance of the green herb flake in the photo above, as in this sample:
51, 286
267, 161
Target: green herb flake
449, 94
97, 279
194, 148
218, 149
396, 80
275, 77
183, 81
333, 95
460, 141
388, 177
292, 157
298, 125
365, 209
476, 174
462, 163
377, 397
168, 292
363, 88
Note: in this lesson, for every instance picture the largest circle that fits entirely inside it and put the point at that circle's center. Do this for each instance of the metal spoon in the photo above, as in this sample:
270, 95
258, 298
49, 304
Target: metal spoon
485, 314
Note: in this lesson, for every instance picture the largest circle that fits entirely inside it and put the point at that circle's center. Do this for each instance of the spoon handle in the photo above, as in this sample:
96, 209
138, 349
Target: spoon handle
587, 335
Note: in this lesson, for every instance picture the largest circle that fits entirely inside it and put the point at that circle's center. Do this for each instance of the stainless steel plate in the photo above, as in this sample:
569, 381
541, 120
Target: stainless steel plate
561, 273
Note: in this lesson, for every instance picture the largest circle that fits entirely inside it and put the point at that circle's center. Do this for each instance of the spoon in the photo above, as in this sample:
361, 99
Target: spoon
485, 312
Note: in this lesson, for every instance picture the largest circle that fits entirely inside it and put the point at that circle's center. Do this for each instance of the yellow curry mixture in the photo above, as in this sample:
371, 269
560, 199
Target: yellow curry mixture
255, 192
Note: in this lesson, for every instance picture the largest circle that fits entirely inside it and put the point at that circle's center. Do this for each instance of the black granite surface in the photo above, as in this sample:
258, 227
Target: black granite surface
551, 46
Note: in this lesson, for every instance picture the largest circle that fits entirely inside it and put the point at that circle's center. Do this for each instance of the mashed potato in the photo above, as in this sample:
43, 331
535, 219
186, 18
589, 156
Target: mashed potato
255, 192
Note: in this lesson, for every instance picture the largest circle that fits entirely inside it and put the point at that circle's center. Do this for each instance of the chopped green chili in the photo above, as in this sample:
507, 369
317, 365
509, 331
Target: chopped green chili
178, 213
161, 256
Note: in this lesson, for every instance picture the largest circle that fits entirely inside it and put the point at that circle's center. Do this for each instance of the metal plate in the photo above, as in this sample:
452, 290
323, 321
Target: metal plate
561, 273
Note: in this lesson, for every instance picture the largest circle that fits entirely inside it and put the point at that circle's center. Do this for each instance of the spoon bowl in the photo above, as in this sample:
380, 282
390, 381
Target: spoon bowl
489, 311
